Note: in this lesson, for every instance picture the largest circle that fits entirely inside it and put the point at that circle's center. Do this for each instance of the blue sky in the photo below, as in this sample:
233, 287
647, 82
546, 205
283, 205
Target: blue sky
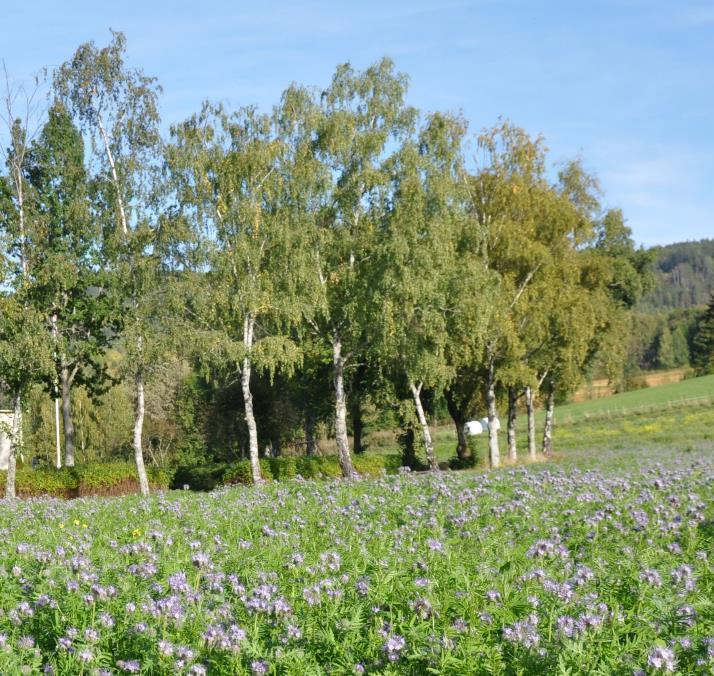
628, 85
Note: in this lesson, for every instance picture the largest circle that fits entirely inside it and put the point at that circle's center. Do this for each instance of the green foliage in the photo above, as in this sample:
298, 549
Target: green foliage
683, 276
208, 477
703, 343
114, 478
338, 239
665, 349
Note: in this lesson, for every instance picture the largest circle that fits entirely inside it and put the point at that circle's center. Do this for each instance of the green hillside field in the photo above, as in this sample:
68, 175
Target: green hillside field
673, 416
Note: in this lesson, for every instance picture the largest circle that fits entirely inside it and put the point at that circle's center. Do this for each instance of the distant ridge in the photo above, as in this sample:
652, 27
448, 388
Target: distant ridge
684, 276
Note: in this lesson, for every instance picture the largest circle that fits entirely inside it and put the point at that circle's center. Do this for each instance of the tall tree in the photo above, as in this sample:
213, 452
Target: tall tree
250, 179
361, 116
420, 234
62, 251
703, 344
507, 196
117, 108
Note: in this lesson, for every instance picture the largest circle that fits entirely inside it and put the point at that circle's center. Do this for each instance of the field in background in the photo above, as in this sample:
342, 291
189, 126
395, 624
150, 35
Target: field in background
680, 414
604, 388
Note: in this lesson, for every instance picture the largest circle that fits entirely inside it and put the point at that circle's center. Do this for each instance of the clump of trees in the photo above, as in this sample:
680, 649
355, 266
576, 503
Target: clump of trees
253, 275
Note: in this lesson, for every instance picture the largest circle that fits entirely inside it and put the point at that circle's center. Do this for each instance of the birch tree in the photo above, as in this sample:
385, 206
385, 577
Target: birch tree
361, 115
116, 107
249, 181
506, 194
420, 235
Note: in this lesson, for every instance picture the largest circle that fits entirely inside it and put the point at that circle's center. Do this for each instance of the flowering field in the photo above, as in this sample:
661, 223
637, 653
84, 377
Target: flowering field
543, 570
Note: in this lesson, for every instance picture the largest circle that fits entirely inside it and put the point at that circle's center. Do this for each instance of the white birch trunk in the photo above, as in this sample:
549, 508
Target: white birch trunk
21, 216
248, 327
530, 411
138, 431
14, 446
115, 177
58, 444
511, 432
494, 454
426, 433
549, 421
343, 445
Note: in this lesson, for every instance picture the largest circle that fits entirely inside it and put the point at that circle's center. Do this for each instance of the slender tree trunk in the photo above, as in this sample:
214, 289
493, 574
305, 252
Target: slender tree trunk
310, 443
494, 454
530, 410
549, 421
248, 326
67, 422
14, 446
343, 446
138, 431
58, 443
512, 413
457, 415
115, 177
20, 193
426, 433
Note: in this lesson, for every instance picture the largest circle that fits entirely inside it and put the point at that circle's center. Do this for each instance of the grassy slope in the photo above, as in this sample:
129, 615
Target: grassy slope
674, 415
691, 392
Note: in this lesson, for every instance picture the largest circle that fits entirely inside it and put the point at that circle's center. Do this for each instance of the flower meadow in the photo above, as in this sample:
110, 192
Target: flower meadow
540, 570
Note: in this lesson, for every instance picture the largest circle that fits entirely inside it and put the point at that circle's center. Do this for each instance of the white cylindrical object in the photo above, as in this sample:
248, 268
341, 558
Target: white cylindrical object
473, 427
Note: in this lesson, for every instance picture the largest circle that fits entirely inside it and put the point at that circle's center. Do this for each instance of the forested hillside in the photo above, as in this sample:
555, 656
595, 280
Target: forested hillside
683, 276
668, 319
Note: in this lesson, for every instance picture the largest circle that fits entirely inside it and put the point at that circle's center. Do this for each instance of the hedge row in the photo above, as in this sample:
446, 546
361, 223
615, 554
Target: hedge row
207, 477
116, 478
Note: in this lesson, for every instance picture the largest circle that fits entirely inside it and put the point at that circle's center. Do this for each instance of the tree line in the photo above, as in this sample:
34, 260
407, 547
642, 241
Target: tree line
668, 320
341, 246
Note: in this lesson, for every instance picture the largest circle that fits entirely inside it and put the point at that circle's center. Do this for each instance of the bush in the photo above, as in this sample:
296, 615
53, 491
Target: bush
115, 478
462, 463
199, 477
373, 465
206, 478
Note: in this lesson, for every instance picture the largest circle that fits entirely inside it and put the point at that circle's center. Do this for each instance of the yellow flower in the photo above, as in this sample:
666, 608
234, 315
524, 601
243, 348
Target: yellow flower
76, 522
84, 525
61, 525
136, 532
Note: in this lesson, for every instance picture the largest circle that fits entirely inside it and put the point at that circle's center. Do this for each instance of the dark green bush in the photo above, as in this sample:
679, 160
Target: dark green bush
462, 463
199, 477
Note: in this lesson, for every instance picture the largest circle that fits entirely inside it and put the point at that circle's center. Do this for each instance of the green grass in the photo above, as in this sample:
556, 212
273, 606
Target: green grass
684, 394
676, 414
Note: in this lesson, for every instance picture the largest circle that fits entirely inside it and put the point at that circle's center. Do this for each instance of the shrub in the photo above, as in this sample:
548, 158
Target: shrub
115, 478
373, 465
282, 468
199, 477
